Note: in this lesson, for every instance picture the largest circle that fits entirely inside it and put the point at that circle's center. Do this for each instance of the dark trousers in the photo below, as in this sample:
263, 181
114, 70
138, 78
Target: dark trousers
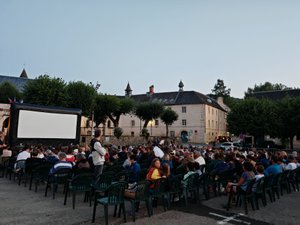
97, 172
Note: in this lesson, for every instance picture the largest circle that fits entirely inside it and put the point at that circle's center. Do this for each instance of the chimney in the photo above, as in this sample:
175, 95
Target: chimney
151, 89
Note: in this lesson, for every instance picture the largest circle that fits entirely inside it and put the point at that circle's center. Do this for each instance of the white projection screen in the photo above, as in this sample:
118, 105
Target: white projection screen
45, 125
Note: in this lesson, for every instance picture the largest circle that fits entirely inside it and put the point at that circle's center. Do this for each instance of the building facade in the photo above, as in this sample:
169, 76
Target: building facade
201, 119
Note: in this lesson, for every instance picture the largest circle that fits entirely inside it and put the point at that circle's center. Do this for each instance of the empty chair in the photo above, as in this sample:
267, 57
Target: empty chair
80, 183
114, 197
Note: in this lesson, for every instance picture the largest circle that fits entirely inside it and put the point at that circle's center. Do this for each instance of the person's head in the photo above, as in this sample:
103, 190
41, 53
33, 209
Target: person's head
132, 158
291, 158
48, 152
242, 158
274, 159
62, 156
80, 157
190, 166
166, 157
165, 169
97, 133
248, 166
27, 147
34, 153
197, 166
260, 169
155, 163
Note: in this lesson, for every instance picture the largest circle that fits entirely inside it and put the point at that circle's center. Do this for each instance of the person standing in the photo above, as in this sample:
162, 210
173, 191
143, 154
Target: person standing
98, 155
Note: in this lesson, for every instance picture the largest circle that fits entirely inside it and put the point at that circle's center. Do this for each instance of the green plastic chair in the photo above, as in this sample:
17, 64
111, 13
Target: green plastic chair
114, 197
276, 185
160, 190
192, 187
81, 183
19, 170
175, 187
104, 182
60, 177
142, 174
141, 194
39, 174
244, 196
259, 192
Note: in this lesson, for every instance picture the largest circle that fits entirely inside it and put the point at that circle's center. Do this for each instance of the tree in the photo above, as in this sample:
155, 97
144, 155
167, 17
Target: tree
254, 117
113, 107
45, 90
118, 132
81, 95
288, 120
220, 90
168, 116
8, 91
148, 111
267, 86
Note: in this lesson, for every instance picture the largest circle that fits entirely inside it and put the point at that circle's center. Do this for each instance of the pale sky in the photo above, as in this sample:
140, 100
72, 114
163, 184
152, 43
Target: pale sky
155, 42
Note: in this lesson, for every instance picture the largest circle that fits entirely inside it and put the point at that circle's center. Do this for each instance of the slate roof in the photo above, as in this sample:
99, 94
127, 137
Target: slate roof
19, 82
277, 95
128, 88
24, 74
178, 98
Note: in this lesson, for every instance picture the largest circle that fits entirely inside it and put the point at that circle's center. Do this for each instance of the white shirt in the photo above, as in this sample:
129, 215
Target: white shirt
200, 160
291, 166
158, 152
23, 155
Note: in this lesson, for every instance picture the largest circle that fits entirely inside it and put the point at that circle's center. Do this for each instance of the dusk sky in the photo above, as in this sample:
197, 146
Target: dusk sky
157, 42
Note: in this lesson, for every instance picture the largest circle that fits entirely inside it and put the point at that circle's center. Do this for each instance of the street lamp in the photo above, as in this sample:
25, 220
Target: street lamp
151, 122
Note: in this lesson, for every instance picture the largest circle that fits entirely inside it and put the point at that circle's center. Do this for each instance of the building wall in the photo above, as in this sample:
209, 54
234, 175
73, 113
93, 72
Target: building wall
195, 120
215, 123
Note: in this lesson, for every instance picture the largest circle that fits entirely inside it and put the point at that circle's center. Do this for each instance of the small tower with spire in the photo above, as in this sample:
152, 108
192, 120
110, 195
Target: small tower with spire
23, 74
128, 90
180, 85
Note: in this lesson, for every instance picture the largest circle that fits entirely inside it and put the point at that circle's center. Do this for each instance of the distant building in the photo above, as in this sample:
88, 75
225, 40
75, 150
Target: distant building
18, 82
201, 119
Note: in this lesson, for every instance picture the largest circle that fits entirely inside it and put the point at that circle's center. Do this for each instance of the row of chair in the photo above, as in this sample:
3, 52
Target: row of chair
272, 185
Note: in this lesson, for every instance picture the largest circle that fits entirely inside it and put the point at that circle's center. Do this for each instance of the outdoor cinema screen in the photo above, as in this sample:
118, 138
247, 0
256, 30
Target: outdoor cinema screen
45, 125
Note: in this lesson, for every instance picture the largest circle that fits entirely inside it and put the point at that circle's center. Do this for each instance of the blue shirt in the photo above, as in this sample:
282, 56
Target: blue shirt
134, 172
273, 169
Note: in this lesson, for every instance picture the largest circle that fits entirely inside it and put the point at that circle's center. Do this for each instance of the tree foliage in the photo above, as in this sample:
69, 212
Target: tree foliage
168, 116
148, 111
81, 95
112, 107
287, 123
267, 86
8, 91
252, 116
45, 90
118, 132
220, 90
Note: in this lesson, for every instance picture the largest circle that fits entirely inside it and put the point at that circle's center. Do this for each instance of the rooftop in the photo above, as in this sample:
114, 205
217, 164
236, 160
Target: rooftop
178, 98
19, 82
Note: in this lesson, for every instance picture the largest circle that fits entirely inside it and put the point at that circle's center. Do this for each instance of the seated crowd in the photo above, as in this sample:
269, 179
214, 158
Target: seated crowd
245, 165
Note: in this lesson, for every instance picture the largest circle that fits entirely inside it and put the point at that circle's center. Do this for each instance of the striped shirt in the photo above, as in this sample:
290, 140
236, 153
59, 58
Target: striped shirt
61, 165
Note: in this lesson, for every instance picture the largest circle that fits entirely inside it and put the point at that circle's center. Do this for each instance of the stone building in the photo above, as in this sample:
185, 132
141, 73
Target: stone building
201, 119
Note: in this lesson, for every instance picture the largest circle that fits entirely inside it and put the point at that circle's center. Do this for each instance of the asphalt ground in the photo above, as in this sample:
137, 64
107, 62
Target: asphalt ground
18, 205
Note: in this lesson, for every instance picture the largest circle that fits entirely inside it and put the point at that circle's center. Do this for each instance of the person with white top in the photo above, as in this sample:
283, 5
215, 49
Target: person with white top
25, 154
98, 155
292, 163
198, 158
